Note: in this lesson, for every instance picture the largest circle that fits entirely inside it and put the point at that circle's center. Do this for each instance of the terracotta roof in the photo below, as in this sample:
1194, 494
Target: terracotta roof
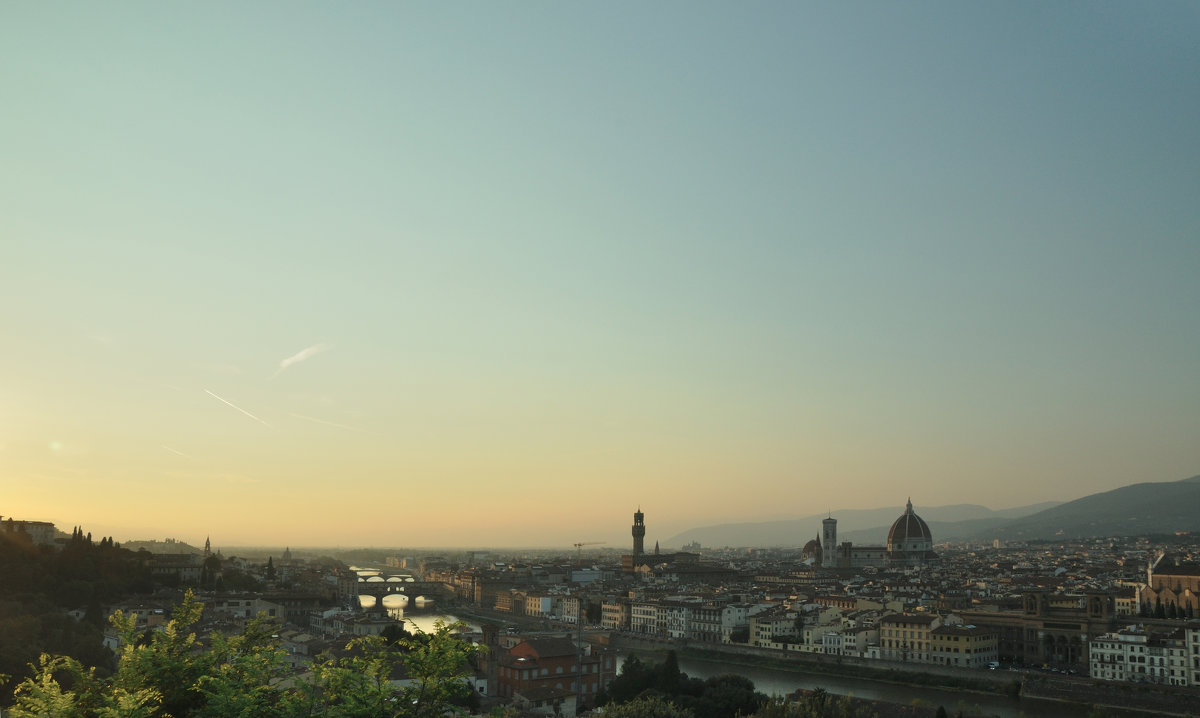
545, 647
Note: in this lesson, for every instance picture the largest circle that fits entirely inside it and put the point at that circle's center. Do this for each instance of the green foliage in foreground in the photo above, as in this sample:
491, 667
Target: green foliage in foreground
647, 707
817, 705
167, 674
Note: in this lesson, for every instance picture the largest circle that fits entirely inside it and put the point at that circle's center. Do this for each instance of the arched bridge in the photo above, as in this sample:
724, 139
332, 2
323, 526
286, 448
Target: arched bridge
380, 586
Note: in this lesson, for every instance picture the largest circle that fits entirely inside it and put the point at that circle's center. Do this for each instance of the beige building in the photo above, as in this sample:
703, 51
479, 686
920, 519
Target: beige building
964, 646
614, 615
907, 637
768, 627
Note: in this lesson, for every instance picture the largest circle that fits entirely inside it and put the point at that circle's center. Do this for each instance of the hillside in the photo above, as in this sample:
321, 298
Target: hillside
1138, 509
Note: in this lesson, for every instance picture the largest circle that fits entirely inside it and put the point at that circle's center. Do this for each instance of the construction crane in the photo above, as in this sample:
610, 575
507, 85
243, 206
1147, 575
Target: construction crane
579, 549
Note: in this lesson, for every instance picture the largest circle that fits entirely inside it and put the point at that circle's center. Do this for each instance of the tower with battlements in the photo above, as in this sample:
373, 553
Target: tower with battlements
639, 534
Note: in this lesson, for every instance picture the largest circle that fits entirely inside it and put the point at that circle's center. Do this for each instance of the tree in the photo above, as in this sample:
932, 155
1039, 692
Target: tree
270, 568
843, 707
210, 571
818, 699
647, 707
166, 664
668, 675
593, 612
634, 678
727, 695
356, 685
393, 633
438, 664
238, 668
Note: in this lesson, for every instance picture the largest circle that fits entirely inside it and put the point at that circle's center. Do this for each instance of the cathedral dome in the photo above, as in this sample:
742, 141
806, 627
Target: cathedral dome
909, 533
812, 550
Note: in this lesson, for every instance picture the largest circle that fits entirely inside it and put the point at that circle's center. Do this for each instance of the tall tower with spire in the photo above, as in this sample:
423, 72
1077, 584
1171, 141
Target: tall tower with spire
639, 534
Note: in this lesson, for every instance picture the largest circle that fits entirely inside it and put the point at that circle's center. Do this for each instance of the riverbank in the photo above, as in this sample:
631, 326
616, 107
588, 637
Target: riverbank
1073, 695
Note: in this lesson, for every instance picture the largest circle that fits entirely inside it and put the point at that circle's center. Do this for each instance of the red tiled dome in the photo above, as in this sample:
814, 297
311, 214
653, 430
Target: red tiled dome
907, 529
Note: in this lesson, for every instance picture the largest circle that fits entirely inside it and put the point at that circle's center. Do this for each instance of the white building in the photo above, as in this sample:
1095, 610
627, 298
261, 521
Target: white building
568, 609
1192, 647
643, 618
1140, 655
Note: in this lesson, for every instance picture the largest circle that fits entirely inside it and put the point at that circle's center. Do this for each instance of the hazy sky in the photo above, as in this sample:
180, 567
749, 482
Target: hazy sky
497, 273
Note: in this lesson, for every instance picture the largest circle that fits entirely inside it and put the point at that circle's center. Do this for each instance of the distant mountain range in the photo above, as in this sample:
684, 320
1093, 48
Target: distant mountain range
1139, 509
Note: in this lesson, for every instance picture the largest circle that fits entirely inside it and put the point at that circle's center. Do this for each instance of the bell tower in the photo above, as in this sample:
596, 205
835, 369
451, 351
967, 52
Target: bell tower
829, 558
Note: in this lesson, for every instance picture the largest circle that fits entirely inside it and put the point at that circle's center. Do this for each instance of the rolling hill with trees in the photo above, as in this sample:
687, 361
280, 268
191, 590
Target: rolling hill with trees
1139, 509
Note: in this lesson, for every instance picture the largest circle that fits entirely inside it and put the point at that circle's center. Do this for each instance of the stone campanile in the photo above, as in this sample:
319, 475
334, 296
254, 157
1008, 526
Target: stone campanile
829, 543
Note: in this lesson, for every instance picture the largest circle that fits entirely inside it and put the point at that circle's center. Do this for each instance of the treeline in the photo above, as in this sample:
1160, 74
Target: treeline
82, 573
662, 691
1170, 611
39, 584
716, 697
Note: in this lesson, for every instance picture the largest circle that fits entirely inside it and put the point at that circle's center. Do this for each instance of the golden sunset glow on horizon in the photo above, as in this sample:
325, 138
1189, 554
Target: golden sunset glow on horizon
497, 275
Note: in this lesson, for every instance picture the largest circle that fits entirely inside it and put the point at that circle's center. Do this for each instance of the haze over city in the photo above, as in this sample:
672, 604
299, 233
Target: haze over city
434, 274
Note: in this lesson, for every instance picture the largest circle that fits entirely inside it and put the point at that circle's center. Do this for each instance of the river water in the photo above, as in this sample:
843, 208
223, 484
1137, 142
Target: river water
775, 682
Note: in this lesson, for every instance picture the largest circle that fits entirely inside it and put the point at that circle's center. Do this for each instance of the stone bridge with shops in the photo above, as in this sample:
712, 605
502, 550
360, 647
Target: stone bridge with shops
381, 586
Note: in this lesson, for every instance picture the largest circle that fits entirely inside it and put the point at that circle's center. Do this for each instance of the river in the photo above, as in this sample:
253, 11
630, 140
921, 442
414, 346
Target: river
776, 682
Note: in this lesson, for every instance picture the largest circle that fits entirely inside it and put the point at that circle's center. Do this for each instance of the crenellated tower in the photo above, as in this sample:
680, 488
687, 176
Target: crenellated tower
639, 534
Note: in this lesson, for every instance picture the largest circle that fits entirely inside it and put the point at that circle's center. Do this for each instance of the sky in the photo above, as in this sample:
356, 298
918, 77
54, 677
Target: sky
499, 274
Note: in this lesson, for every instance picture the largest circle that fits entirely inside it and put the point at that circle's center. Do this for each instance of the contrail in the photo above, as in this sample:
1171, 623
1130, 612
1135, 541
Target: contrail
235, 406
326, 423
177, 451
300, 356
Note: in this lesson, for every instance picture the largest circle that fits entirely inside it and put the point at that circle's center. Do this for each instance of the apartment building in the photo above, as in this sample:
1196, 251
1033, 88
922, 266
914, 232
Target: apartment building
615, 615
907, 637
1145, 656
964, 646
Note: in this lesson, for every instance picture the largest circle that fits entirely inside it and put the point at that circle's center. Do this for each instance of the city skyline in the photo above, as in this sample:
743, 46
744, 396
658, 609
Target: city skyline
437, 275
